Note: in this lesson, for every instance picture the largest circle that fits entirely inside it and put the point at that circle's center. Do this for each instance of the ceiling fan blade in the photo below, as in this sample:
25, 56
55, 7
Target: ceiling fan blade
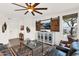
26, 12
19, 5
20, 9
33, 13
40, 8
38, 12
30, 4
36, 4
26, 4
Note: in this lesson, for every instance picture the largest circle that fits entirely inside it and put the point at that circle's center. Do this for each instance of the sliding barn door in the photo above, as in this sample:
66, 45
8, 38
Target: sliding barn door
38, 25
55, 24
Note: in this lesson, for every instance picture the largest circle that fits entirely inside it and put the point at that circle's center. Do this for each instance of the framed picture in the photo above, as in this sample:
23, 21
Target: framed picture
22, 27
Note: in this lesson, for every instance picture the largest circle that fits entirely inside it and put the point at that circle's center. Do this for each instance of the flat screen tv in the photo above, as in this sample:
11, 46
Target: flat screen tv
45, 24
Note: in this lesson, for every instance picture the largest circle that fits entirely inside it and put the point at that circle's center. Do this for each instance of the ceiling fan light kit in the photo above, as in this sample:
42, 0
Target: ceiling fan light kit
30, 8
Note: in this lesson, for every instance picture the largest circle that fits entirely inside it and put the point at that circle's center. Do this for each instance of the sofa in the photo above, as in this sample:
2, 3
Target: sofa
65, 51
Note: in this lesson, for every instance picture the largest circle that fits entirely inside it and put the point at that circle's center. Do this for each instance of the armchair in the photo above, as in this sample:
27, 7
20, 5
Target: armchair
67, 43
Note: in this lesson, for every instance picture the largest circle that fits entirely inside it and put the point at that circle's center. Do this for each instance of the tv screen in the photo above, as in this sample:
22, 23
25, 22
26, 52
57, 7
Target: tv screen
45, 24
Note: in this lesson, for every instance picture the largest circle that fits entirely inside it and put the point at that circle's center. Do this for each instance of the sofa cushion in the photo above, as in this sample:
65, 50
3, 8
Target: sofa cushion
75, 45
75, 53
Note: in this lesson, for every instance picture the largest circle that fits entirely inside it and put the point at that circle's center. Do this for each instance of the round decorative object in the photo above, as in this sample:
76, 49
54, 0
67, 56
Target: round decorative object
4, 27
27, 29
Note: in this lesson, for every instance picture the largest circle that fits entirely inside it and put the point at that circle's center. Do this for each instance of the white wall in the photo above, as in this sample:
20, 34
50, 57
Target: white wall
30, 22
78, 26
12, 29
3, 36
13, 26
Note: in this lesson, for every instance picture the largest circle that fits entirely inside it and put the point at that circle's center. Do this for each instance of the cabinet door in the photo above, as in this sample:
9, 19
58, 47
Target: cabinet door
41, 36
45, 37
50, 38
38, 36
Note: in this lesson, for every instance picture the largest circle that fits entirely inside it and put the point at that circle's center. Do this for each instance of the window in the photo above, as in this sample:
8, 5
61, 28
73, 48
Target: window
70, 25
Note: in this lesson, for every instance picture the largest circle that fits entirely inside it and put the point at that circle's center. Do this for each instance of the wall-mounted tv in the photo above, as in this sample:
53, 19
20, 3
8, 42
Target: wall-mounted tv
46, 24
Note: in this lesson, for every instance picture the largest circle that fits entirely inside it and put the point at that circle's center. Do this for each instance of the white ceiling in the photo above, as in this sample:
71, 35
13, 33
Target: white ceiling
7, 9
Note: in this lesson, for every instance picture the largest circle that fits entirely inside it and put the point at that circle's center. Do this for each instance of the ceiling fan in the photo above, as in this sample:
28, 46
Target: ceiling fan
30, 8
